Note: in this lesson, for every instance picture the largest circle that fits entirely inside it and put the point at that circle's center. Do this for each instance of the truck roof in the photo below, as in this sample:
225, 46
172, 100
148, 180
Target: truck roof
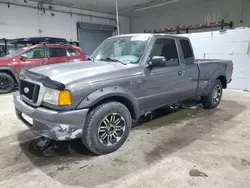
151, 35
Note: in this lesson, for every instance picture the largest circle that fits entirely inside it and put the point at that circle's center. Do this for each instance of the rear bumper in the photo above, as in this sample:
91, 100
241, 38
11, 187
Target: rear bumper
56, 125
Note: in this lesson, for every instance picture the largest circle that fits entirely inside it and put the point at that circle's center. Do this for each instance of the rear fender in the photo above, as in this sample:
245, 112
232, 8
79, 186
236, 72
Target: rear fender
212, 80
109, 93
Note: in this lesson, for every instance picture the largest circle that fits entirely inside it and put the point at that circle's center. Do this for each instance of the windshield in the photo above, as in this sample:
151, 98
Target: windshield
14, 53
126, 49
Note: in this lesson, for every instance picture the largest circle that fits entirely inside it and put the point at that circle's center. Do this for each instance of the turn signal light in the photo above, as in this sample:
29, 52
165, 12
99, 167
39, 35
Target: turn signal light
65, 98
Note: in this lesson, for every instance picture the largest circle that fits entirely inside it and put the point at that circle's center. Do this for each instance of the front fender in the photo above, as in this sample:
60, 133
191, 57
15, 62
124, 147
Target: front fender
107, 93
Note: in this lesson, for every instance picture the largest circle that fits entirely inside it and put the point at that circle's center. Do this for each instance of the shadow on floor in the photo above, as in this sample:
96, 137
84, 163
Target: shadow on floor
71, 163
50, 148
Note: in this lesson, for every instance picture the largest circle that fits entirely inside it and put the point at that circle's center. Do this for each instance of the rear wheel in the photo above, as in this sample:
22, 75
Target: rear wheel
7, 83
212, 100
107, 127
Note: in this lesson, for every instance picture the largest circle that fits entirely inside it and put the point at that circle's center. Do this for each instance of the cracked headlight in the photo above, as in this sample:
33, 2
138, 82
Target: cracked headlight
56, 97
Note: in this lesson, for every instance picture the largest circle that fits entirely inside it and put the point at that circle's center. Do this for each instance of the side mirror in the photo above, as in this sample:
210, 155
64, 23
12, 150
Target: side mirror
23, 57
157, 61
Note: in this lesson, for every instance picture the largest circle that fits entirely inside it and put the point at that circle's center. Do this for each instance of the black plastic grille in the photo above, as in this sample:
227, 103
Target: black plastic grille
29, 91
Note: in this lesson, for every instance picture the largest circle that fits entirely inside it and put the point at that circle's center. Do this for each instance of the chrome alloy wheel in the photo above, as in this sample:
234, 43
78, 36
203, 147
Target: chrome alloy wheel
216, 94
111, 129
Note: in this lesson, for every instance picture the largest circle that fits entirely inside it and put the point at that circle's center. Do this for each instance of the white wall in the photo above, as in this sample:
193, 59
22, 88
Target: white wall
18, 21
233, 45
187, 12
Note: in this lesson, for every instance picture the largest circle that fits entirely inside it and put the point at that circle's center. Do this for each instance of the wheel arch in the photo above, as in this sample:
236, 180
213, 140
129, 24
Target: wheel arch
223, 81
10, 72
218, 75
118, 94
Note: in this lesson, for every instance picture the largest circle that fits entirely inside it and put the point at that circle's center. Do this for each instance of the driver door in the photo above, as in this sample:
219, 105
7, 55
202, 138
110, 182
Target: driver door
162, 84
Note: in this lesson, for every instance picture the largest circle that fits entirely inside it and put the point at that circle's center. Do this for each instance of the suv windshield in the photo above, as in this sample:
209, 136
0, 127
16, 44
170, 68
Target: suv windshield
126, 49
14, 53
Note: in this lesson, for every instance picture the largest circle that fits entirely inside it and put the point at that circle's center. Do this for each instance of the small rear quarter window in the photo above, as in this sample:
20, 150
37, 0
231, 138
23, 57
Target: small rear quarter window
72, 52
186, 48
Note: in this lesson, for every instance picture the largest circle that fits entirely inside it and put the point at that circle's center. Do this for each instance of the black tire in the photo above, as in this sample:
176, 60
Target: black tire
95, 118
7, 83
209, 101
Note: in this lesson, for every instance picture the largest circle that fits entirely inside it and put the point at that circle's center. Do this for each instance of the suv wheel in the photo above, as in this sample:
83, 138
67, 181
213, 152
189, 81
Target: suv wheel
212, 100
7, 83
106, 128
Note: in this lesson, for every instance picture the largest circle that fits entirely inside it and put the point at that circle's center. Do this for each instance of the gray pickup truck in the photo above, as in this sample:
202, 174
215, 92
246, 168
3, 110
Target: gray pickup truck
126, 77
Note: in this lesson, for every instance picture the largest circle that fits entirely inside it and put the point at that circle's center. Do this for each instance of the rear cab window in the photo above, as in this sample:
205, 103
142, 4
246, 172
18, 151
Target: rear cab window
57, 52
187, 52
166, 47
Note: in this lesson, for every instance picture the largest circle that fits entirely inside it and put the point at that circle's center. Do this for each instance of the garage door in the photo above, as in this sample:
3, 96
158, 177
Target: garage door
92, 35
91, 39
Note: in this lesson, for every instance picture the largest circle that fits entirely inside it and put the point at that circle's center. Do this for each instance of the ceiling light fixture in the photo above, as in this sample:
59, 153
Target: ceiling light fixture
154, 6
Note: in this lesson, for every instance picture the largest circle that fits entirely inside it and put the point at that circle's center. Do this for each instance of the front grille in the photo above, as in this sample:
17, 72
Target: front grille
29, 91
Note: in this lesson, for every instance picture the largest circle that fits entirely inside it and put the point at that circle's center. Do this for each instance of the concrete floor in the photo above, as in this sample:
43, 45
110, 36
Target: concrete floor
168, 151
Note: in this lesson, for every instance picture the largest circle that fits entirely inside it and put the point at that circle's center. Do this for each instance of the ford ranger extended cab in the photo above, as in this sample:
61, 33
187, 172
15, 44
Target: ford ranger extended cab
33, 56
127, 76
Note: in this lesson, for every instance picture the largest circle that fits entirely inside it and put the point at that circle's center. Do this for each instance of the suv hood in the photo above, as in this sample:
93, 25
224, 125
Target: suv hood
70, 72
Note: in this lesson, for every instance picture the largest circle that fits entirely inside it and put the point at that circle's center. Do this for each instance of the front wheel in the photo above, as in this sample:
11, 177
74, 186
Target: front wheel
106, 128
212, 100
7, 83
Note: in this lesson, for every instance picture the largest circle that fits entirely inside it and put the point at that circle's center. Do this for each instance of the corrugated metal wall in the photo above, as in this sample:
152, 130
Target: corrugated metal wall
186, 12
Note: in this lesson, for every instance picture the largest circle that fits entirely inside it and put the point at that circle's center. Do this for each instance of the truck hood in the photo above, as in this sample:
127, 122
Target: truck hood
5, 61
70, 72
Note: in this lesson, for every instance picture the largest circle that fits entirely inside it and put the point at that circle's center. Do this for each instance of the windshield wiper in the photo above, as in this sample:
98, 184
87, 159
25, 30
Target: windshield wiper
114, 60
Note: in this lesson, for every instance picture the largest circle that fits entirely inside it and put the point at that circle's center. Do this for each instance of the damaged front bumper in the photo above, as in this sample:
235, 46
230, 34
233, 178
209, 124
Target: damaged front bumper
55, 125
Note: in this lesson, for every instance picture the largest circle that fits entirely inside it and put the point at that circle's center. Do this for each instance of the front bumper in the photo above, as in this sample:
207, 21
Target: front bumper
55, 125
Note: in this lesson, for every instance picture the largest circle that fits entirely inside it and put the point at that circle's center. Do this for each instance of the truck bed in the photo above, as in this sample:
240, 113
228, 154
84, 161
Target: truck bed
210, 68
213, 61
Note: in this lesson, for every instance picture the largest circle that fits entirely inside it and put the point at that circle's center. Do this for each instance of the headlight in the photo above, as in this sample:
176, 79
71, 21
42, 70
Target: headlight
60, 98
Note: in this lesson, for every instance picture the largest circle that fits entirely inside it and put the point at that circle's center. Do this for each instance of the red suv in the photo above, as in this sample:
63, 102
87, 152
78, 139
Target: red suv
25, 58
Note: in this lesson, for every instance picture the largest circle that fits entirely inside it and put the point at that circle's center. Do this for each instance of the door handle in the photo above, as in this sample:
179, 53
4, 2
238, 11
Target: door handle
181, 73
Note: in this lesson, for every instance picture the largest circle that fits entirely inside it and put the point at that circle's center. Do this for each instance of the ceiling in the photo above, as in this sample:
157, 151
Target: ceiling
126, 7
